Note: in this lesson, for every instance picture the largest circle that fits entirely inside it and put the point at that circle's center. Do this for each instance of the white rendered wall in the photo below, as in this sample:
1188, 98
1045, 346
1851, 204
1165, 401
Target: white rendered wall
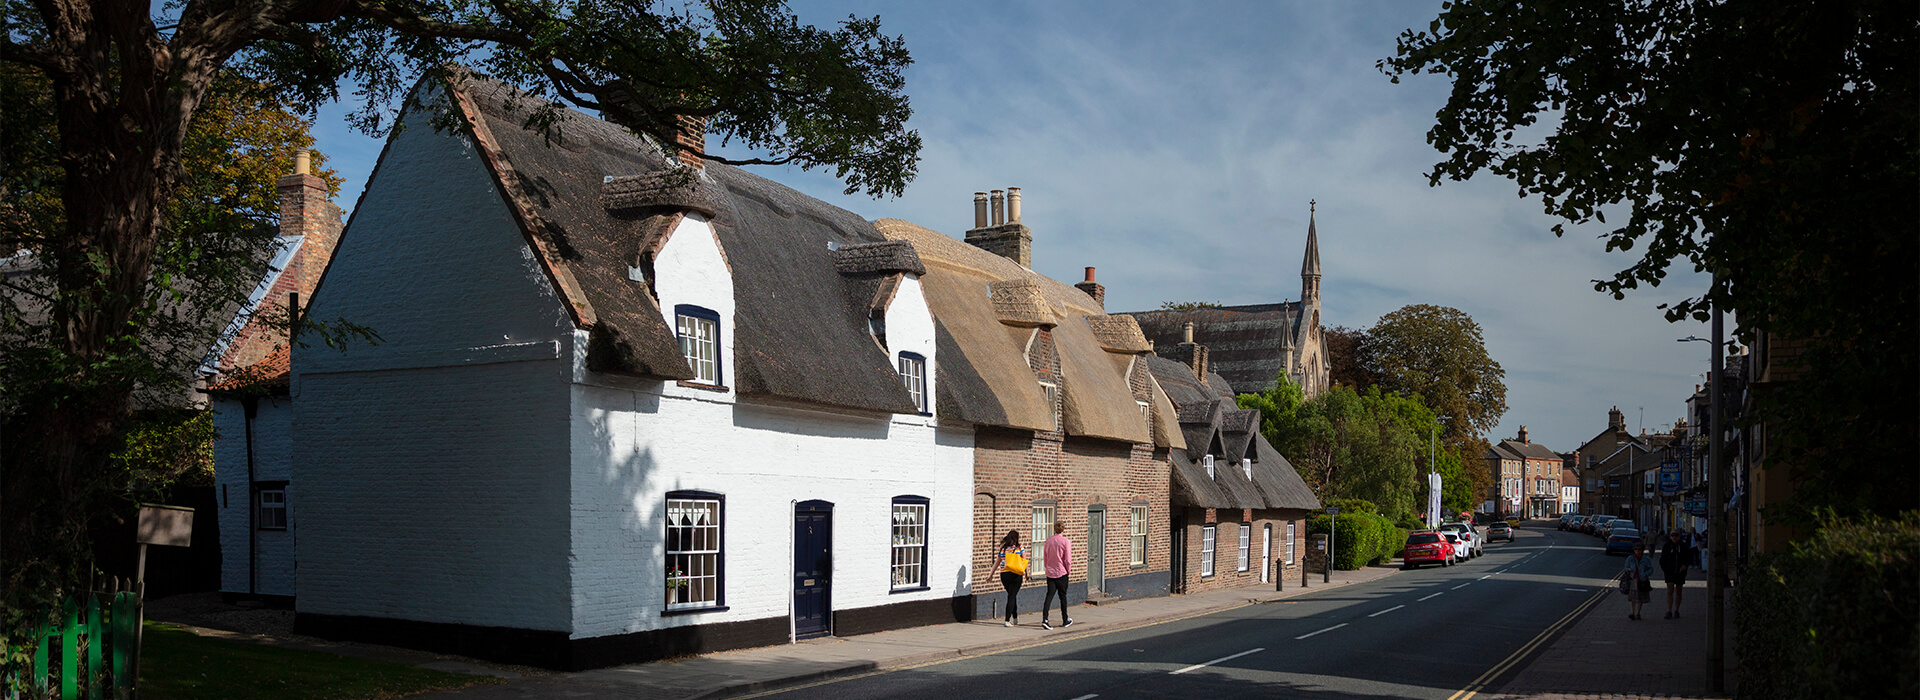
272, 451
910, 329
634, 441
432, 468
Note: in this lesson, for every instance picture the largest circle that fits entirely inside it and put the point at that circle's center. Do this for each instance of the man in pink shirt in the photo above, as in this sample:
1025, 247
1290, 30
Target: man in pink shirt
1059, 562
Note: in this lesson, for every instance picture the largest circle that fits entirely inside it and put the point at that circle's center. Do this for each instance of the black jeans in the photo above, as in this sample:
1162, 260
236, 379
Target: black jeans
1059, 586
1011, 582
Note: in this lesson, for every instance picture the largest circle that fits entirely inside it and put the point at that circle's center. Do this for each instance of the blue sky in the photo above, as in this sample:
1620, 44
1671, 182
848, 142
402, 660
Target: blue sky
1175, 146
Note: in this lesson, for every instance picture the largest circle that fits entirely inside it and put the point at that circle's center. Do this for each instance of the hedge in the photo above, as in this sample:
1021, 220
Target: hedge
1835, 616
1362, 539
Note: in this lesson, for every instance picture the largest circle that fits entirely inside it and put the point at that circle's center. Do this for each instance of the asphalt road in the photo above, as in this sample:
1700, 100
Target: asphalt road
1428, 633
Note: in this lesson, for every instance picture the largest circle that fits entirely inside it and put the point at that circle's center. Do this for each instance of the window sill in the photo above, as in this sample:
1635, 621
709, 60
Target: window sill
916, 589
717, 388
690, 611
1136, 566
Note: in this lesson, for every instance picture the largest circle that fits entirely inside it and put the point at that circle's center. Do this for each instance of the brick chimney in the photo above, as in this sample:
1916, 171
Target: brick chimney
691, 138
1093, 289
307, 212
1189, 353
1523, 436
1002, 234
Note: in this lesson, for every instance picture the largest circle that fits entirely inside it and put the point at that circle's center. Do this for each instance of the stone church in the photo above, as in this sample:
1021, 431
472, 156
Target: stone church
1250, 345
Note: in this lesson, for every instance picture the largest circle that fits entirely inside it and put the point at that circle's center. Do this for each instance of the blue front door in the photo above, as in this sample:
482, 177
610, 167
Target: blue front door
812, 569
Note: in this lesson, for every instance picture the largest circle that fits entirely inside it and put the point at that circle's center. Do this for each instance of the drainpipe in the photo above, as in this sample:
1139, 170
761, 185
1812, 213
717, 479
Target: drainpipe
251, 405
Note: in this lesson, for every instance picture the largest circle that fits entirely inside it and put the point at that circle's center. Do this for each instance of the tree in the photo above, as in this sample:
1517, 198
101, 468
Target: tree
214, 250
125, 89
1347, 351
1437, 352
1772, 144
1348, 444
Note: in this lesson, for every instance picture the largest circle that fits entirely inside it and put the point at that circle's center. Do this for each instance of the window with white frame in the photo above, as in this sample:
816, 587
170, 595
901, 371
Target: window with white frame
913, 373
909, 543
1246, 545
1042, 529
1137, 535
273, 508
1206, 550
693, 550
1289, 541
699, 330
1146, 409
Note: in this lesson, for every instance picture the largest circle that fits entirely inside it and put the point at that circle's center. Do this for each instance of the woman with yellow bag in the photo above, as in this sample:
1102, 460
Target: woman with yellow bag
1013, 570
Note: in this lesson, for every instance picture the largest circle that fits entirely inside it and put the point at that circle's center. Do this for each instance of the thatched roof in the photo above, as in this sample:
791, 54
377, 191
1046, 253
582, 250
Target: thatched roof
1213, 423
984, 305
591, 201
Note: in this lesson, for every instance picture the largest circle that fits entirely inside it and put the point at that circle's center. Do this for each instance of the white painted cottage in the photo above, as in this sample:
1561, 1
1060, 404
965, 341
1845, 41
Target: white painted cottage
623, 408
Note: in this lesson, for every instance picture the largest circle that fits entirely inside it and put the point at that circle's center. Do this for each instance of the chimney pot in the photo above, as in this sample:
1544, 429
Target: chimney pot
1186, 333
303, 162
979, 210
1089, 274
999, 207
1093, 289
1013, 205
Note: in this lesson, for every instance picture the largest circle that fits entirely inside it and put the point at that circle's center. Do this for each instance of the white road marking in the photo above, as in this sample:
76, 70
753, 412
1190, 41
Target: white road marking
1422, 600
1088, 696
1578, 590
1464, 585
1483, 578
1210, 663
1388, 610
1329, 629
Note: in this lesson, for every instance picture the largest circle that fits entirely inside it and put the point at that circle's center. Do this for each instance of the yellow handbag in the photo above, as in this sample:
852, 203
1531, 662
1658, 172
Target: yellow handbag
1016, 563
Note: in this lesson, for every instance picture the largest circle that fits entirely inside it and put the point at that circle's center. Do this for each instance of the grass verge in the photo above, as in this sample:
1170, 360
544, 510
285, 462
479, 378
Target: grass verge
176, 663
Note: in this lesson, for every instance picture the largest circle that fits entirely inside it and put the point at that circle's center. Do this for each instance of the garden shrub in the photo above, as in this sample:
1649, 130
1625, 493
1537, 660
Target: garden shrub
1363, 538
1835, 616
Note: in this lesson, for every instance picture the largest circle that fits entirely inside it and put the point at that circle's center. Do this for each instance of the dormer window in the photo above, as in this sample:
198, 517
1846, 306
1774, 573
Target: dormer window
1246, 467
913, 374
699, 331
1207, 461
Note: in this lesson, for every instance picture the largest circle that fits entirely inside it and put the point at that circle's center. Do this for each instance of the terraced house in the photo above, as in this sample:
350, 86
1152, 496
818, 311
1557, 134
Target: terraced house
625, 408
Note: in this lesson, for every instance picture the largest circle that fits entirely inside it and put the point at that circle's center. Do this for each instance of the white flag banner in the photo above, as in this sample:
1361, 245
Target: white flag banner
1433, 500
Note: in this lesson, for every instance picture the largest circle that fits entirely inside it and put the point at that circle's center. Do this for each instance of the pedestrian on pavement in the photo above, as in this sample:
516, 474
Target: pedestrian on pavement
1674, 559
1637, 579
1059, 561
1009, 578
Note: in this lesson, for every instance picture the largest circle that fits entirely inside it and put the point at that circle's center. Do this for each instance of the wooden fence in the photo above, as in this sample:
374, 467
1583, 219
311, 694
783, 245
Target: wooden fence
91, 653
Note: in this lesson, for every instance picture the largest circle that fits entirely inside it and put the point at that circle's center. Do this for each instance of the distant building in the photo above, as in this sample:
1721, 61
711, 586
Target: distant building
1569, 491
1251, 345
1526, 477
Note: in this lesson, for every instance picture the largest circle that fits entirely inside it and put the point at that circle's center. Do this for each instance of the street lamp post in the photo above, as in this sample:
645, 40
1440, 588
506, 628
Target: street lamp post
1433, 470
1716, 512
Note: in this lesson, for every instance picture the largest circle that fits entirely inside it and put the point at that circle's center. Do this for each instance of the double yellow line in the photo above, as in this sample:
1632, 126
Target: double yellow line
1480, 684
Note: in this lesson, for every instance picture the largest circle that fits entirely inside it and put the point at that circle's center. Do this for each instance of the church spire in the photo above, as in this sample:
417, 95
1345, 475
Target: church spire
1310, 267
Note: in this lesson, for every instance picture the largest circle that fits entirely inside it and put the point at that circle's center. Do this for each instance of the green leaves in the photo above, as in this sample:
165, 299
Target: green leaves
1771, 143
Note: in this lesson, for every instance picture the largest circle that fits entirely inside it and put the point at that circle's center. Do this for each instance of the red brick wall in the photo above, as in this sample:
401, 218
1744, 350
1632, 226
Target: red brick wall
1014, 469
1226, 551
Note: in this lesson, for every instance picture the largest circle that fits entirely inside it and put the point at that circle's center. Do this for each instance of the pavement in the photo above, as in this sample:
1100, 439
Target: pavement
748, 671
1606, 655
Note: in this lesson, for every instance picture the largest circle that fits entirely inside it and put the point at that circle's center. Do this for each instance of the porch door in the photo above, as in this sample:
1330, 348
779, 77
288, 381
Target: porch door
1096, 549
1266, 553
812, 569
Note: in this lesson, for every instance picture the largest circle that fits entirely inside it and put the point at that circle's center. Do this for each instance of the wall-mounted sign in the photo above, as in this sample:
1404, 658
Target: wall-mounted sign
165, 525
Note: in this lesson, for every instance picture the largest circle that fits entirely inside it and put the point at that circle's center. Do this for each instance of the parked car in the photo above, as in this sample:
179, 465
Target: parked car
1622, 540
1426, 547
1472, 544
1500, 530
1599, 521
1564, 517
1576, 523
1618, 524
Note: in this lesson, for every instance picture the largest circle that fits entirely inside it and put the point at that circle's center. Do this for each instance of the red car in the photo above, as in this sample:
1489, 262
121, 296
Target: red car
1427, 547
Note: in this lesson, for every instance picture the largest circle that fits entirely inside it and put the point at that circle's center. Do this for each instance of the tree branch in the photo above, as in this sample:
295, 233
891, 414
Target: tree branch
420, 26
32, 56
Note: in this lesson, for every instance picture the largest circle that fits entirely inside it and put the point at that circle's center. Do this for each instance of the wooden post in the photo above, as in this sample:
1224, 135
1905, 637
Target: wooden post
95, 634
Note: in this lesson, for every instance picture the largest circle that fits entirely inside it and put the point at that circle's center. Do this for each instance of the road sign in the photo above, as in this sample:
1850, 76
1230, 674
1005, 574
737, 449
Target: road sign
1333, 511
